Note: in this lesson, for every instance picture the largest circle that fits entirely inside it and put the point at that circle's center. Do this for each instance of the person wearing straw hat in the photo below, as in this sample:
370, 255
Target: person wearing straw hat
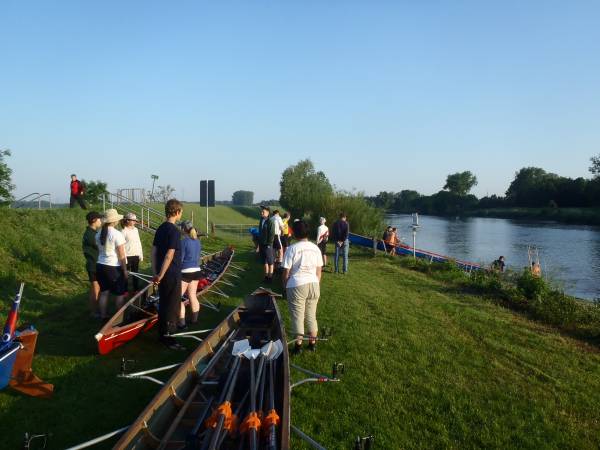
133, 246
111, 268
191, 249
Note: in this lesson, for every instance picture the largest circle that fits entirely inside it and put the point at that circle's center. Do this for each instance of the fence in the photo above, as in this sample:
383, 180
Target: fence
237, 229
33, 200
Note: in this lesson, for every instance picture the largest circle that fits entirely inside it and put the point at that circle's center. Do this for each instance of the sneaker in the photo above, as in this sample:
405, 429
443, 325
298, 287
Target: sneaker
181, 327
176, 346
297, 350
312, 347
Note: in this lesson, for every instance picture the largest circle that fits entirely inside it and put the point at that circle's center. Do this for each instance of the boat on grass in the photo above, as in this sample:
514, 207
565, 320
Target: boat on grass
140, 313
233, 390
406, 250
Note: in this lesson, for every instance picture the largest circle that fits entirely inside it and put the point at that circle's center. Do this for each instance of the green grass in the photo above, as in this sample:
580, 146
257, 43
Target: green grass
427, 366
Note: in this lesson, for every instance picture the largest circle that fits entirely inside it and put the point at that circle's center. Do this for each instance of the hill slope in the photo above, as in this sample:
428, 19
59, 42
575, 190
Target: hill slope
426, 366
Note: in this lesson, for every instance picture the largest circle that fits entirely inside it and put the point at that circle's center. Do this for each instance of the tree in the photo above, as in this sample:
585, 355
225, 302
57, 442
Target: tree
6, 185
304, 190
94, 190
460, 183
595, 167
242, 198
163, 193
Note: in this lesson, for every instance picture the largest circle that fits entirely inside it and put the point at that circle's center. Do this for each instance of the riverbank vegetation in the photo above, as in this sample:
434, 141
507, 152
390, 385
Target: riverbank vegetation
307, 193
430, 362
522, 292
532, 194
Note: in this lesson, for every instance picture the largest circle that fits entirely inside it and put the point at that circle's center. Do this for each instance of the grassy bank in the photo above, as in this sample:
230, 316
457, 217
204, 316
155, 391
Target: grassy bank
428, 363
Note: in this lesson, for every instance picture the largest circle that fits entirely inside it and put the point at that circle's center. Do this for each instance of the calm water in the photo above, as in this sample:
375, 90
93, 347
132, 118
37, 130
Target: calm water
569, 254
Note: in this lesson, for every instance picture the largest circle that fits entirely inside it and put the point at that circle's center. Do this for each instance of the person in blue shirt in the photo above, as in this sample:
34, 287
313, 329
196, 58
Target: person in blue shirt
191, 249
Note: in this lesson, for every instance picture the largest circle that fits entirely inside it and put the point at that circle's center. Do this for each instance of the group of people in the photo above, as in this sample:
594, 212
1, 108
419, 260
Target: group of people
112, 255
390, 239
301, 261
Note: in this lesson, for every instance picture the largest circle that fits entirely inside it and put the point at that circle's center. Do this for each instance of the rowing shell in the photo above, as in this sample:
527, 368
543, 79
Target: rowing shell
178, 416
140, 313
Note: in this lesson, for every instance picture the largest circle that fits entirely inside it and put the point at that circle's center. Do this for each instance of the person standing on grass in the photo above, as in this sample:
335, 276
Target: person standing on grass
166, 267
340, 232
111, 269
77, 192
90, 251
277, 230
285, 232
265, 242
322, 238
302, 266
386, 239
133, 247
191, 249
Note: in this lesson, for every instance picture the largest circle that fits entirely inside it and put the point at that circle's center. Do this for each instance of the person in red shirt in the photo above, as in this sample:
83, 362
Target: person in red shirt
77, 192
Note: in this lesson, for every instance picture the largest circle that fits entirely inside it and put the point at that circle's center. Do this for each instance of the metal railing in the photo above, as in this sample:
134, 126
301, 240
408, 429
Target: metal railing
149, 217
32, 198
239, 229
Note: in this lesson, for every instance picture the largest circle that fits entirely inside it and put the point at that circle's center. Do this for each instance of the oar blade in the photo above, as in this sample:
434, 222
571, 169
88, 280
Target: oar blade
240, 347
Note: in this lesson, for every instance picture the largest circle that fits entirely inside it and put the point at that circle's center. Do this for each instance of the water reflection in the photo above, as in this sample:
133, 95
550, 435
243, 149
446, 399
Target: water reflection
569, 254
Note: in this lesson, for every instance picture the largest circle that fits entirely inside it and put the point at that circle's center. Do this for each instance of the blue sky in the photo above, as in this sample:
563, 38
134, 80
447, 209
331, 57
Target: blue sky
380, 95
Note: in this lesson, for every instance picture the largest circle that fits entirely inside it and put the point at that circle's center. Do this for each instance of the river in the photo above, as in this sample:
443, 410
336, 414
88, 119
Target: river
569, 254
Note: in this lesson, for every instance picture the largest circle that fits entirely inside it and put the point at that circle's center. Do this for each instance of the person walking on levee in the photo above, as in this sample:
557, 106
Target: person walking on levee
77, 192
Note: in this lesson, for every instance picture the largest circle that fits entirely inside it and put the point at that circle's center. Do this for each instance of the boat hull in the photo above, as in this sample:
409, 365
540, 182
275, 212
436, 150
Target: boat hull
176, 416
121, 328
405, 250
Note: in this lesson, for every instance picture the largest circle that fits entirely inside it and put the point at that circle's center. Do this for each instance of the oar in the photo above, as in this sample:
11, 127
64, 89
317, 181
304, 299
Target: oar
272, 419
224, 409
252, 422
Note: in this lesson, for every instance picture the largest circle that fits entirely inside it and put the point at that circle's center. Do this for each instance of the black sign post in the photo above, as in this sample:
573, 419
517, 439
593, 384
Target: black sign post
207, 196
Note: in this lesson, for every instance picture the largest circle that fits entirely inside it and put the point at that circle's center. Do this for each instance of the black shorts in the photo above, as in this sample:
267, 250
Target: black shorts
389, 247
277, 242
266, 255
92, 276
188, 277
284, 241
111, 279
323, 247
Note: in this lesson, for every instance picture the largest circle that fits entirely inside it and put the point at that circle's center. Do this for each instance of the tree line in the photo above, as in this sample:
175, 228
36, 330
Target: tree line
307, 193
532, 187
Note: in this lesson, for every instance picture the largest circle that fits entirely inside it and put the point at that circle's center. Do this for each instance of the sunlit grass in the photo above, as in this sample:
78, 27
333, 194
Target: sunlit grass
426, 365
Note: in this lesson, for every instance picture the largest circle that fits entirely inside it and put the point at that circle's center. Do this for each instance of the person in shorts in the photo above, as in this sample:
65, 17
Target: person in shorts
133, 247
301, 277
265, 242
166, 266
285, 232
90, 252
111, 267
191, 249
322, 238
277, 229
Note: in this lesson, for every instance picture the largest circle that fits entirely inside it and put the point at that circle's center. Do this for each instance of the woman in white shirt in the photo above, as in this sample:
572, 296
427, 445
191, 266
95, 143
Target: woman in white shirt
302, 265
133, 246
111, 268
322, 238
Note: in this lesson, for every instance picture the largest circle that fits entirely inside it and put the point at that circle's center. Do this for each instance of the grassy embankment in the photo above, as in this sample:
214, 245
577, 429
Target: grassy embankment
427, 365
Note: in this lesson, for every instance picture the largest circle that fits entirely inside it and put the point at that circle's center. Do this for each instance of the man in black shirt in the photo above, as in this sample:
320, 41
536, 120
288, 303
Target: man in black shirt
166, 266
340, 232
